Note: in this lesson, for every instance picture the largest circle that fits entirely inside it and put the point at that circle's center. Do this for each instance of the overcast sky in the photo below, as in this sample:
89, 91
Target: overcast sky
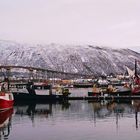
113, 23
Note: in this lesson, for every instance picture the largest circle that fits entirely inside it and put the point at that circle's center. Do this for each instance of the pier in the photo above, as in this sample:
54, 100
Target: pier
104, 98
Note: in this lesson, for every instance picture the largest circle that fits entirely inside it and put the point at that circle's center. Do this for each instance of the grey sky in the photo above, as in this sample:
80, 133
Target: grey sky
101, 22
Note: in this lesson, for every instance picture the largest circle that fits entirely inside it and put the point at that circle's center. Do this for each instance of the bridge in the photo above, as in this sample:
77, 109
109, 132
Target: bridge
37, 73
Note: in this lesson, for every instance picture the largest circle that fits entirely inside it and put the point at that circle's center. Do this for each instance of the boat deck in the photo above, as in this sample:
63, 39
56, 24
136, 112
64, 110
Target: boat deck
96, 98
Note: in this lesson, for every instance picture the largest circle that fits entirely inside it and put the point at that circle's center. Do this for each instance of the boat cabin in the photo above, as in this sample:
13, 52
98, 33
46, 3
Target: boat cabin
4, 87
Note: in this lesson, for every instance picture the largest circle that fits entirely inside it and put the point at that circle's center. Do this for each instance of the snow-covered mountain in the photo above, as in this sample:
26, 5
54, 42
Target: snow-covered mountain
84, 59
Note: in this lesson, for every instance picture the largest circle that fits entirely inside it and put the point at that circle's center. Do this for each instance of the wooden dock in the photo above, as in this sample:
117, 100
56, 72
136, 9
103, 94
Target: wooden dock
104, 98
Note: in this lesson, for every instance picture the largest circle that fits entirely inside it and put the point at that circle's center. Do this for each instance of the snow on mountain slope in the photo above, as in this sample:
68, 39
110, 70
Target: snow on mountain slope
82, 59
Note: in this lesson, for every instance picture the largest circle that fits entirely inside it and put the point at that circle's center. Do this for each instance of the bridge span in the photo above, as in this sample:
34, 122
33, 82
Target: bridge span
36, 72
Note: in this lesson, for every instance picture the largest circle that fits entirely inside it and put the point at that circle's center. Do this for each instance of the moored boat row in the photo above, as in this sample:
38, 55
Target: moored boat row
102, 87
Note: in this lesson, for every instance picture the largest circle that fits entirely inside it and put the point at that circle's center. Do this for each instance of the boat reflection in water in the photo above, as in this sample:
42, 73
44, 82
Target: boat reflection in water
34, 110
106, 109
136, 105
97, 110
77, 120
5, 123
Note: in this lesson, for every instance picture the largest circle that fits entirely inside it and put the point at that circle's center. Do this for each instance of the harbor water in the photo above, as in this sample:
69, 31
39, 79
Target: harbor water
74, 120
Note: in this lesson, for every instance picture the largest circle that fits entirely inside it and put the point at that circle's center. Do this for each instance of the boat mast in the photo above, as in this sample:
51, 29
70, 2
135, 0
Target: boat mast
136, 68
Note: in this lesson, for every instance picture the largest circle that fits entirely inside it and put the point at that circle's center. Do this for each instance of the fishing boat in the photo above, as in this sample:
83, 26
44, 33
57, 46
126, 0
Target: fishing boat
6, 97
124, 90
110, 90
82, 85
40, 94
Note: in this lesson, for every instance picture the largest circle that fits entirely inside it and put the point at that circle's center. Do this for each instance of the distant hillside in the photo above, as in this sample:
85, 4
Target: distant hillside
83, 59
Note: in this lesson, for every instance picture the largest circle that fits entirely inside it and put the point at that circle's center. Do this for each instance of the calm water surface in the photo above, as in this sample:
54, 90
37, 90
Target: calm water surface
74, 120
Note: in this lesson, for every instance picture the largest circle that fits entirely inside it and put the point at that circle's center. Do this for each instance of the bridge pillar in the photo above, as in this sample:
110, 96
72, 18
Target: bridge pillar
31, 76
8, 73
44, 75
1, 74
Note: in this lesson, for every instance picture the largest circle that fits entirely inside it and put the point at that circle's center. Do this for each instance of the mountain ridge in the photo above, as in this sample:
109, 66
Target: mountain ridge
85, 59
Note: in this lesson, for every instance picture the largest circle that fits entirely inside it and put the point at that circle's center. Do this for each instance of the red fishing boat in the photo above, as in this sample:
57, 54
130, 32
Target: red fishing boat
6, 97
